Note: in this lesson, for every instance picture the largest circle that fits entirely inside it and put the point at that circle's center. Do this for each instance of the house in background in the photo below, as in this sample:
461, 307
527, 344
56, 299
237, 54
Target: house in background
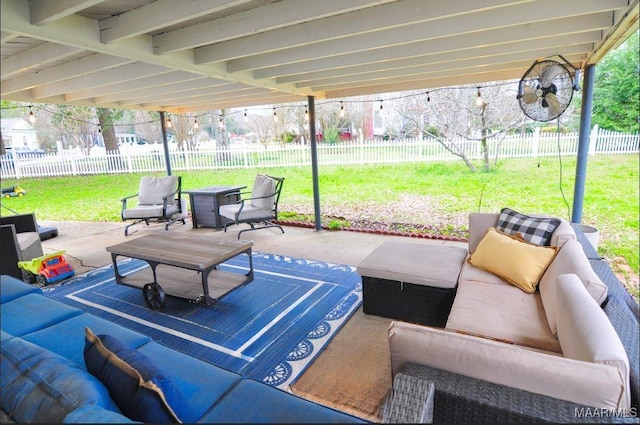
18, 132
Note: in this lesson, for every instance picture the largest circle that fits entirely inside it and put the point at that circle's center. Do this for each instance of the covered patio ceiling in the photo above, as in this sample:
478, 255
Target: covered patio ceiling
202, 55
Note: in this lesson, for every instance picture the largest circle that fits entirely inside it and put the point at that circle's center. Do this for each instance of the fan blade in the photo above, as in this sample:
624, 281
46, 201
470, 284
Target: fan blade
555, 108
529, 96
549, 74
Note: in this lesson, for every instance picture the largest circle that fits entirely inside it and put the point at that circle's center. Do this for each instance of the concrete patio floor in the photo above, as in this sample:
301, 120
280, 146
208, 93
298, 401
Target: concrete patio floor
352, 374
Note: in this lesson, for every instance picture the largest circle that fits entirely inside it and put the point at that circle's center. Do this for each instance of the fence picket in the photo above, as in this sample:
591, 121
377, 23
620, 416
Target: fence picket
537, 144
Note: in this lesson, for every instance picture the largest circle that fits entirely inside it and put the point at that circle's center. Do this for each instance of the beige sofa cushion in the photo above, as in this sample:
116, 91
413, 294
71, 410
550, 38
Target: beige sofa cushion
585, 332
415, 262
570, 259
503, 312
589, 384
519, 263
474, 274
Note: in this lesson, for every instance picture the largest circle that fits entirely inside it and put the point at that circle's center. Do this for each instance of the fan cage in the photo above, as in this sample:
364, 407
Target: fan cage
531, 81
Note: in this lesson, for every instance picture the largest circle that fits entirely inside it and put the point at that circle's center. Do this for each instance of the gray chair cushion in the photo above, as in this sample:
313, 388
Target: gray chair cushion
153, 189
263, 186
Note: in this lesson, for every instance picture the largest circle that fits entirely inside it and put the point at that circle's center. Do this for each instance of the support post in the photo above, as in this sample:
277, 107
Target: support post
165, 144
583, 144
314, 162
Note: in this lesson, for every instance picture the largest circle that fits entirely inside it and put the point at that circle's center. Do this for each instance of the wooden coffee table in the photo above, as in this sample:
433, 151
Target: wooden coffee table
199, 254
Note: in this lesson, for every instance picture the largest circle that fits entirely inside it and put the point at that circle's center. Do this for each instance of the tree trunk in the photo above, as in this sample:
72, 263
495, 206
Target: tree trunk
108, 132
483, 142
110, 142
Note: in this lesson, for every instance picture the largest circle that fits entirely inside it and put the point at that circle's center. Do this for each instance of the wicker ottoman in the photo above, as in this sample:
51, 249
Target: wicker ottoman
411, 281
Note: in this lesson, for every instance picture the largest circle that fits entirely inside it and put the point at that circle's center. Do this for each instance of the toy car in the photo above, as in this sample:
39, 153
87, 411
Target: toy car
13, 191
47, 269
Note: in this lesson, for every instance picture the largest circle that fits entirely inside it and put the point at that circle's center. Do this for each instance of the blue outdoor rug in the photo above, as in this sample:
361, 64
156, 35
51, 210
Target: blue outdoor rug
270, 329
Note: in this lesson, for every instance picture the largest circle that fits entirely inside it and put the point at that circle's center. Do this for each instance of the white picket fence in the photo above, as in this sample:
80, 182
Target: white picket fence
602, 142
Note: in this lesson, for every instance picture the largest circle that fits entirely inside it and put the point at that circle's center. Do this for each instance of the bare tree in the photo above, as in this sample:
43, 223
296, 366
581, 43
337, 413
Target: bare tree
263, 126
448, 115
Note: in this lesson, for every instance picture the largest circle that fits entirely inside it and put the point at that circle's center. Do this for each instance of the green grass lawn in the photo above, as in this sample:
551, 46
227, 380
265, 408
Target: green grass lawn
611, 196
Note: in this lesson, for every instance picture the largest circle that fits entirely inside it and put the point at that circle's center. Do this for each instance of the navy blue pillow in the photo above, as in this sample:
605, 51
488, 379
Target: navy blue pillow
136, 385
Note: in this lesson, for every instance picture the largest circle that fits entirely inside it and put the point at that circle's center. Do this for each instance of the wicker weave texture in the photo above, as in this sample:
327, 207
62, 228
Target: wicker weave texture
425, 305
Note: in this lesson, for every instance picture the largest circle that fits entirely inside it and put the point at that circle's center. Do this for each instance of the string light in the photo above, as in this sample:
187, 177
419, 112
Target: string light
195, 122
168, 122
221, 123
275, 115
306, 114
246, 119
341, 109
99, 128
479, 100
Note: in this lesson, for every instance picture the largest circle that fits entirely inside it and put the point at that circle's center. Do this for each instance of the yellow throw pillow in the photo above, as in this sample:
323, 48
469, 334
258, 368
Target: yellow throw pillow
519, 263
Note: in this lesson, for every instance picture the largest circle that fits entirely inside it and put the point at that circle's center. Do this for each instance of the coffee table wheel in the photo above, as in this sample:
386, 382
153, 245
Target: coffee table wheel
154, 296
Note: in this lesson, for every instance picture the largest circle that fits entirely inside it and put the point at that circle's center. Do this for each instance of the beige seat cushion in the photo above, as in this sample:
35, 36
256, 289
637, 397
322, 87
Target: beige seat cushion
502, 312
585, 332
415, 262
570, 259
589, 384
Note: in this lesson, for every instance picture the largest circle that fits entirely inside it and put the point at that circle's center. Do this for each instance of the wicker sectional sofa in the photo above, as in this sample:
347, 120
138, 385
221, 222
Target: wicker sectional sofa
566, 352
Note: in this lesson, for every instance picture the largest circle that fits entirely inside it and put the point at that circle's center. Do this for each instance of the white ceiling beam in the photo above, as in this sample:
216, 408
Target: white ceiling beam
7, 36
65, 71
430, 83
110, 92
421, 72
258, 20
519, 15
497, 37
158, 14
470, 74
213, 105
131, 71
197, 86
373, 19
35, 57
267, 98
189, 96
408, 78
513, 49
46, 11
625, 26
82, 32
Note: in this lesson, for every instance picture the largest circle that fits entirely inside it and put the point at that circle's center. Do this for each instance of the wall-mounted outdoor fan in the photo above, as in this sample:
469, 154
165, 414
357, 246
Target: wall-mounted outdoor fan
546, 89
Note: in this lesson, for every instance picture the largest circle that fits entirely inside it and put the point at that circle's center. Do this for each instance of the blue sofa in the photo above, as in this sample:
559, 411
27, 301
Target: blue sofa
44, 377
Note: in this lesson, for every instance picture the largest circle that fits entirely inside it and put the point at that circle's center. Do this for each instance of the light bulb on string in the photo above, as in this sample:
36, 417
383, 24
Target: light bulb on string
428, 97
479, 100
381, 110
306, 114
341, 109
221, 123
32, 118
169, 125
275, 115
246, 119
195, 123
99, 128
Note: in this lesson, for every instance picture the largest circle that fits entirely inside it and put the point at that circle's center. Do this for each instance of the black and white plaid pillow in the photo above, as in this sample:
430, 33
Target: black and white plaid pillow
536, 230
